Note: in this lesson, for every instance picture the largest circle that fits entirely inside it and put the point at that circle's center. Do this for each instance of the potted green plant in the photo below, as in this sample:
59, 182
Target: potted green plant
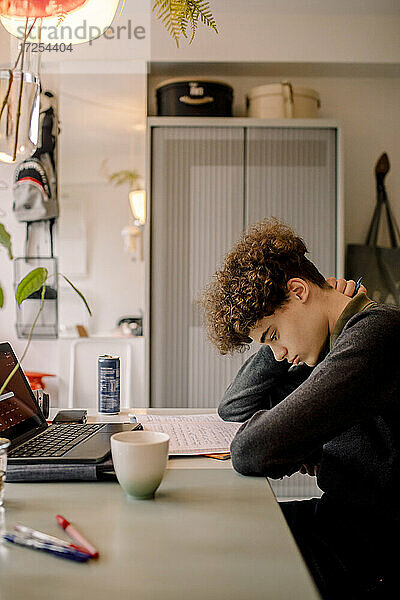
33, 282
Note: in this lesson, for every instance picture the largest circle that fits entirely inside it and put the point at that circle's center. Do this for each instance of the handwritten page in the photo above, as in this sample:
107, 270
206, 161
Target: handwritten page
193, 434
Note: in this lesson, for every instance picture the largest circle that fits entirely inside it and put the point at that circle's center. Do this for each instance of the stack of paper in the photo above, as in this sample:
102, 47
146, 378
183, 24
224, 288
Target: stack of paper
193, 434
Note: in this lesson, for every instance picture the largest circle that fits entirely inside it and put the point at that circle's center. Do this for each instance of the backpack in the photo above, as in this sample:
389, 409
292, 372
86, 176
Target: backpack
35, 179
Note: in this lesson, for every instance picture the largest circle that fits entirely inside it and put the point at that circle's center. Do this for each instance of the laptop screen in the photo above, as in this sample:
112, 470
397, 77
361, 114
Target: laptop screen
19, 411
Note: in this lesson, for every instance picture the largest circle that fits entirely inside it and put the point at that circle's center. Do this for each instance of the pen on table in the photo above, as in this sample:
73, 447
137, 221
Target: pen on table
45, 537
75, 535
59, 551
358, 285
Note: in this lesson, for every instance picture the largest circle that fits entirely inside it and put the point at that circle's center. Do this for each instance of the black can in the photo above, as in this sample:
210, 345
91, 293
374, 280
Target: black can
194, 98
109, 384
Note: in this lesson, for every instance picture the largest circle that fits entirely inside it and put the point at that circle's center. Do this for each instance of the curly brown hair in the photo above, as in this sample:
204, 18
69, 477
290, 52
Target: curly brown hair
252, 282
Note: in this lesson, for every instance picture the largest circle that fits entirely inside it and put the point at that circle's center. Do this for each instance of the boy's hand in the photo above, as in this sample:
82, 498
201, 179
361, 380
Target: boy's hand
309, 469
346, 287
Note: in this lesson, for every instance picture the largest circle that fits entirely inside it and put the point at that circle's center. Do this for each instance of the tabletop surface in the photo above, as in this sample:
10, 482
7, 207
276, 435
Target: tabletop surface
209, 534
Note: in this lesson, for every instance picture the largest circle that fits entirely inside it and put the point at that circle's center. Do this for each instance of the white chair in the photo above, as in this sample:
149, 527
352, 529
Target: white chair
82, 388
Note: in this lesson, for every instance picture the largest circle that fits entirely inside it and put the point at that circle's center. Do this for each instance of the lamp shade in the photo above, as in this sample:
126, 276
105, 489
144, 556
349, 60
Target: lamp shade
38, 8
137, 199
88, 21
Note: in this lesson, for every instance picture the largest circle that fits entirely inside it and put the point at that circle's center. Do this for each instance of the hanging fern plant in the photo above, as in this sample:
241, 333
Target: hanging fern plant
181, 16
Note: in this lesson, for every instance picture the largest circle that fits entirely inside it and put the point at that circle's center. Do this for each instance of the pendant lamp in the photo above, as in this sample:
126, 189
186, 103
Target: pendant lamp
61, 22
58, 21
38, 8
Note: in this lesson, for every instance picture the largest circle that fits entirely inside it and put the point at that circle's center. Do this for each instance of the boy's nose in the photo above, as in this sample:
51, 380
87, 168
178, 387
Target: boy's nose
279, 353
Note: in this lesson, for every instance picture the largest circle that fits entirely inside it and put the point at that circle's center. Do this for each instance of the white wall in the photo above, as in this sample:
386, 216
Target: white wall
364, 31
103, 131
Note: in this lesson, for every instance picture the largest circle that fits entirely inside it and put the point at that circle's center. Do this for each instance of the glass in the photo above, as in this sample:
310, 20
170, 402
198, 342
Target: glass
47, 323
2, 521
18, 135
4, 444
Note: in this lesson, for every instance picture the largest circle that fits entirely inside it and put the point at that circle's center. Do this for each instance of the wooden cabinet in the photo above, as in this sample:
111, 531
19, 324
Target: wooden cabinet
210, 179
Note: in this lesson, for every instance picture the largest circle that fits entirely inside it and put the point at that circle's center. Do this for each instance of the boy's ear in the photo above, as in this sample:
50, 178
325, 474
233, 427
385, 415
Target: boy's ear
299, 288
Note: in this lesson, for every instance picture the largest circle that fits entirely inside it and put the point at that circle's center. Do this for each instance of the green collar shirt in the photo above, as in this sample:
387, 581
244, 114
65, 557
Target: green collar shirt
357, 304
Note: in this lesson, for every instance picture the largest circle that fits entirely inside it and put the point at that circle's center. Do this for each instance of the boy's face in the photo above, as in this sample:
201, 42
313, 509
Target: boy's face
296, 332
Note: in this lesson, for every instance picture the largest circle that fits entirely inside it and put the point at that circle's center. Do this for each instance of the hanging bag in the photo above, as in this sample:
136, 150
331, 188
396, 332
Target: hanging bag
379, 267
35, 179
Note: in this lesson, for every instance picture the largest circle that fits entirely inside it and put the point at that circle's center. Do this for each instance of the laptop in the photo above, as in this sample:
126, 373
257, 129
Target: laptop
32, 439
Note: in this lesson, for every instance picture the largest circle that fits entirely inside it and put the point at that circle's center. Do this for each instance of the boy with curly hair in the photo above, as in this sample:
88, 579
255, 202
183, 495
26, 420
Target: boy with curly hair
321, 396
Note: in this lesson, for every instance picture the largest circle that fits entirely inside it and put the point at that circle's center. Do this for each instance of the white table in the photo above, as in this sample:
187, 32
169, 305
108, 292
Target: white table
209, 534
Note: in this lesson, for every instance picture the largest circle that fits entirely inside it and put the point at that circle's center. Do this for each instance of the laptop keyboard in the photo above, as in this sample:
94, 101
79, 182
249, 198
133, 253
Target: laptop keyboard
56, 441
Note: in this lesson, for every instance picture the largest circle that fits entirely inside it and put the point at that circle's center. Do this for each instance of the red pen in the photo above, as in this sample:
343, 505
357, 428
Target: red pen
78, 537
44, 537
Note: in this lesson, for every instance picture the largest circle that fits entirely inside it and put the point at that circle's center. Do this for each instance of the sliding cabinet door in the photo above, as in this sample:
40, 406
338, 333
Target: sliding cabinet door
291, 175
197, 212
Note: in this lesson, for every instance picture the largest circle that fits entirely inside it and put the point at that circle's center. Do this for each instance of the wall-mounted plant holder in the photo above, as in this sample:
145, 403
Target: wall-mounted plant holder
47, 323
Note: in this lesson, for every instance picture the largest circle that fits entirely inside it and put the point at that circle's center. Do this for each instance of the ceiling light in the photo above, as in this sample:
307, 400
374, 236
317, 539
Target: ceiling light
88, 20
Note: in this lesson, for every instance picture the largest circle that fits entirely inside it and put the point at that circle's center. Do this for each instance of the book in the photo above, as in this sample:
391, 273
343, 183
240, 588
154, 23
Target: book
192, 434
218, 456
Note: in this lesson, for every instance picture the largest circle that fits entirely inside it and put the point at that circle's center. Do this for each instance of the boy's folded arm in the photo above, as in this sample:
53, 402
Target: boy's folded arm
261, 383
342, 391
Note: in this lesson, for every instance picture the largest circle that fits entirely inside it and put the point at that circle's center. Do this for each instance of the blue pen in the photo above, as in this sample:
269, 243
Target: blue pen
358, 285
33, 534
68, 553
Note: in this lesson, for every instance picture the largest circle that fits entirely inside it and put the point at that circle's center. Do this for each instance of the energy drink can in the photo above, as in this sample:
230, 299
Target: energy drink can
109, 384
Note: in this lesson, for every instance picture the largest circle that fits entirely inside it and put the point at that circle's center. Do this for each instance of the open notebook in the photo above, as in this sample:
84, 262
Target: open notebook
192, 434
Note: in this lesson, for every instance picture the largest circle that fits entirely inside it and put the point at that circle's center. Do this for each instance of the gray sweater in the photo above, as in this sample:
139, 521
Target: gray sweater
344, 414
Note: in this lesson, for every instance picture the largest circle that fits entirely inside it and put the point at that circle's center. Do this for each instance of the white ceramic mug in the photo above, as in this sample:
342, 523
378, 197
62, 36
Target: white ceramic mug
139, 458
